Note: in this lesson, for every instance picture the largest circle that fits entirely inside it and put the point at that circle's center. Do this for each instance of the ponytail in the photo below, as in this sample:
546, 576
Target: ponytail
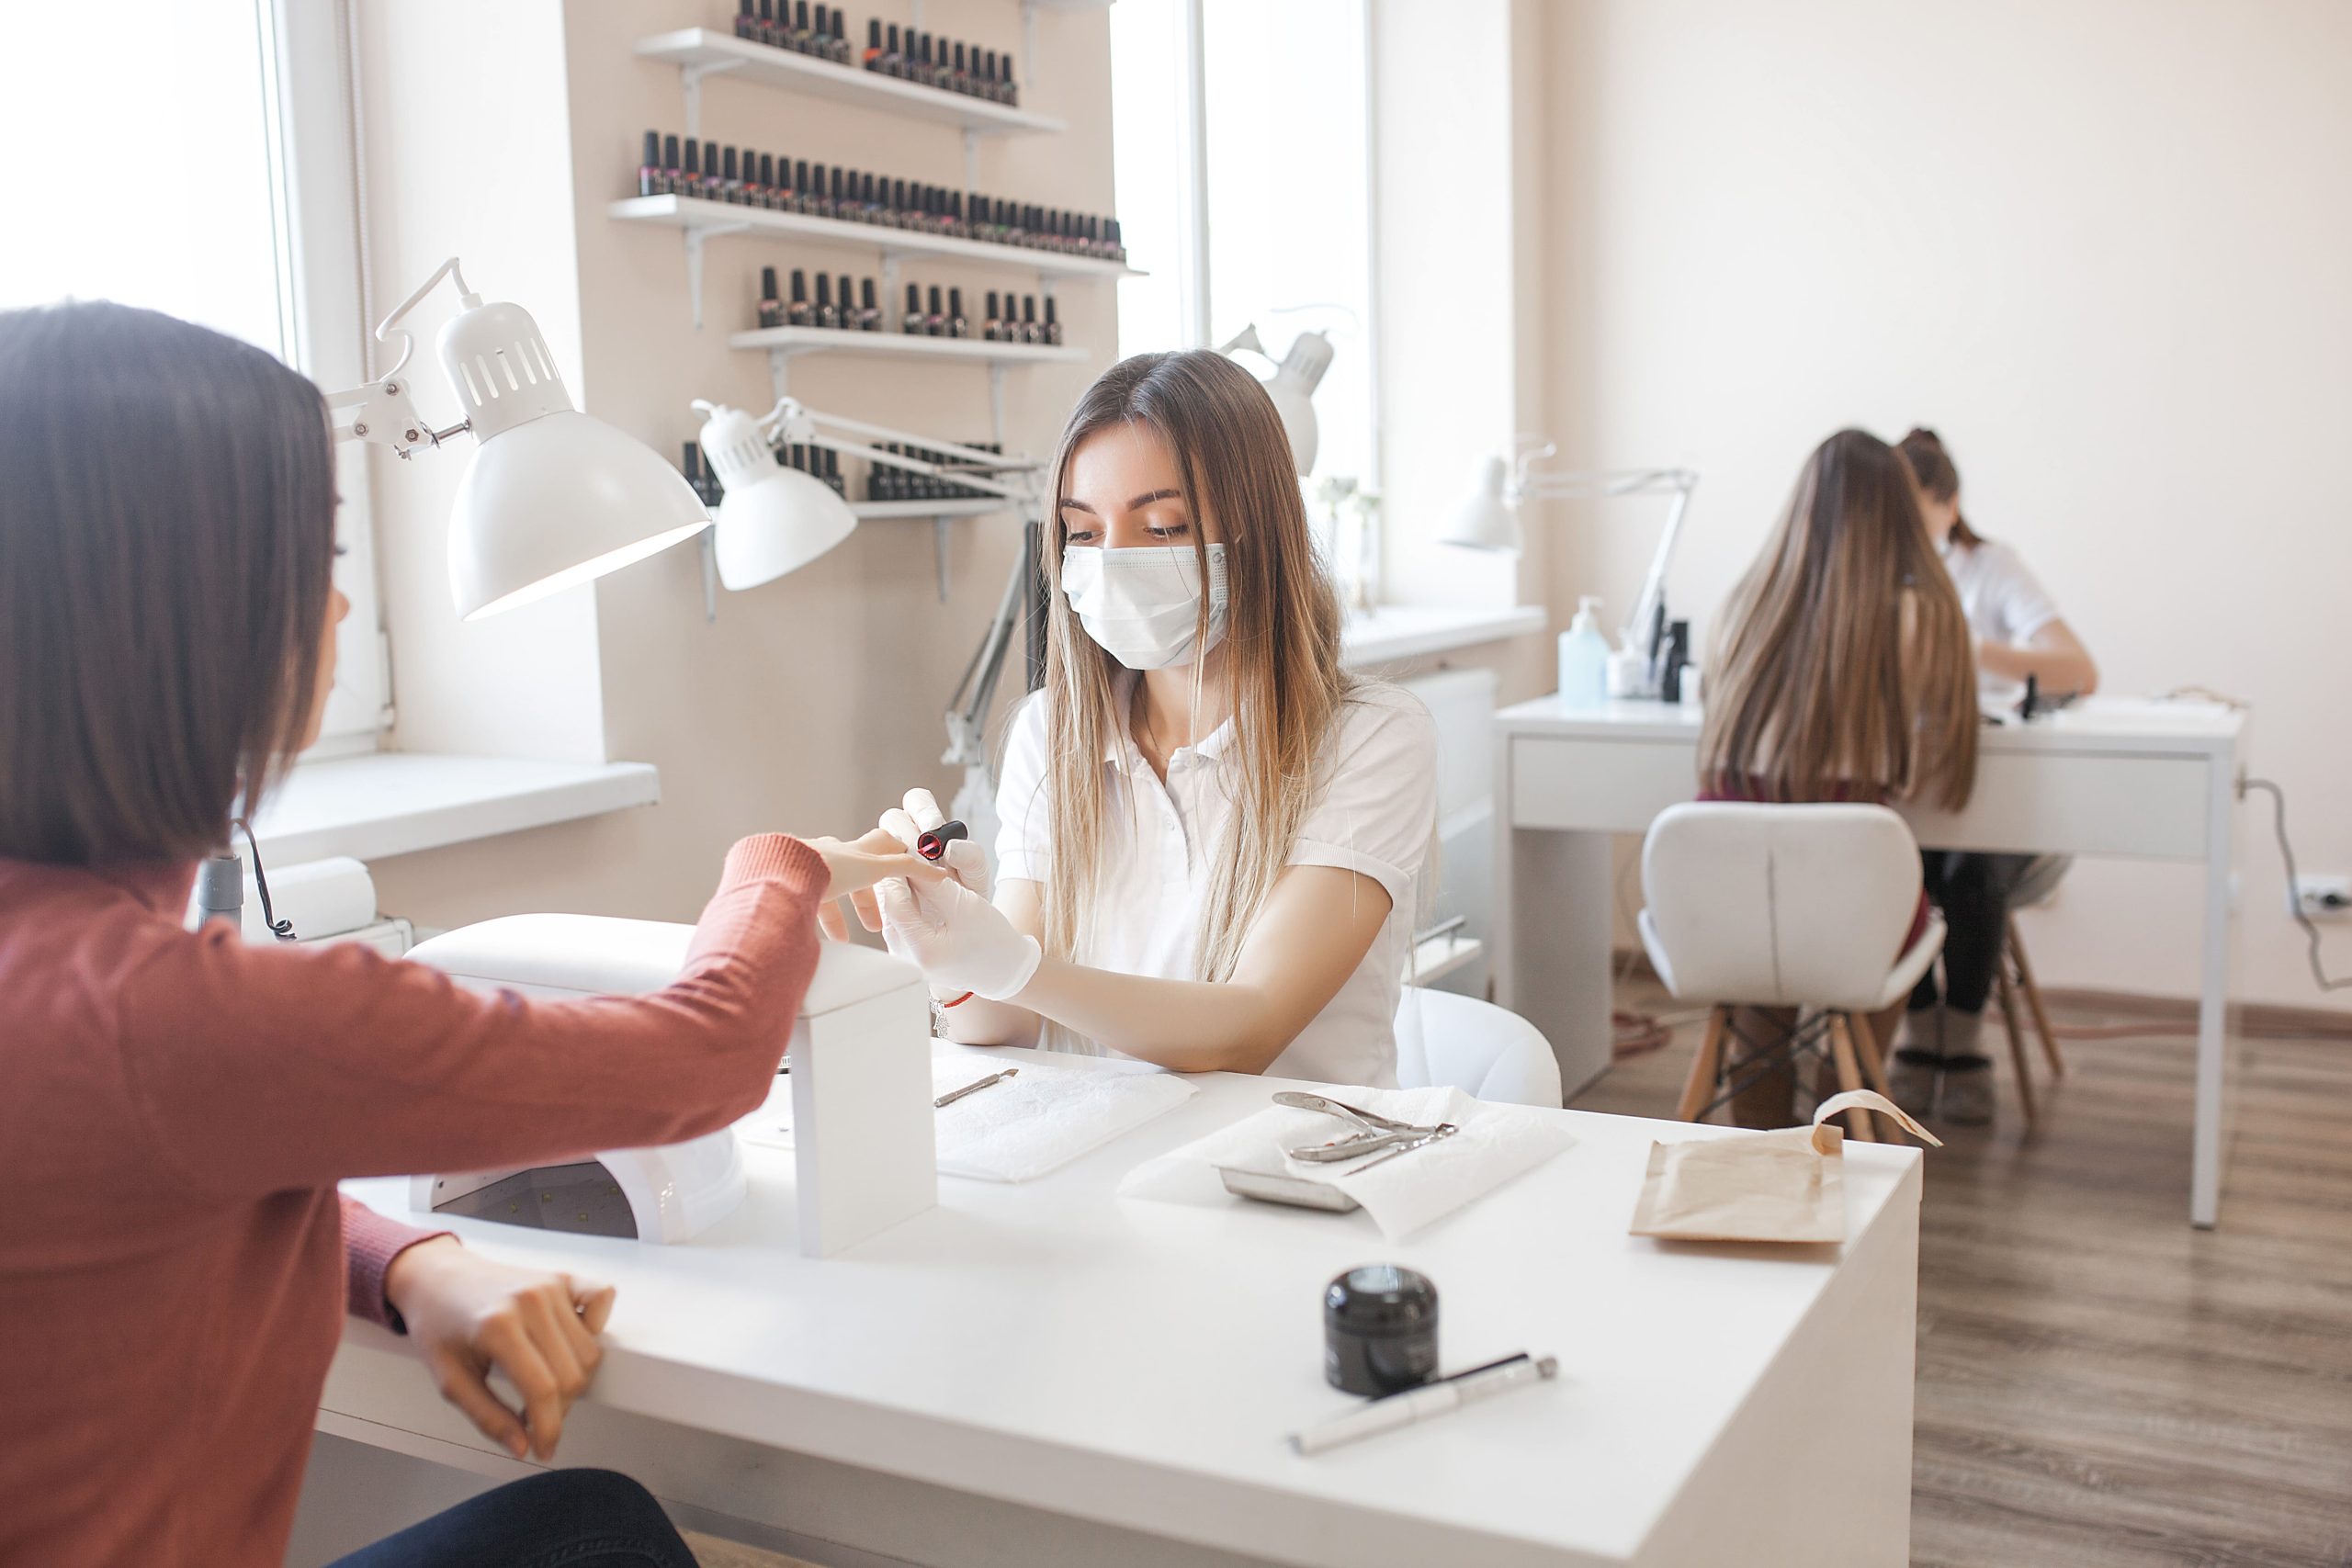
1932, 466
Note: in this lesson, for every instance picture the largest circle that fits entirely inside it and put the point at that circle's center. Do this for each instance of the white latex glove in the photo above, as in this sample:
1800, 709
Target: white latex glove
964, 859
960, 941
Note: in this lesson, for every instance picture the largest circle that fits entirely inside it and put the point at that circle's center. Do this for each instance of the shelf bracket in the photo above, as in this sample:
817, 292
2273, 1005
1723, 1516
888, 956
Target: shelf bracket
696, 238
939, 552
996, 400
710, 577
779, 372
891, 287
971, 159
692, 76
1028, 46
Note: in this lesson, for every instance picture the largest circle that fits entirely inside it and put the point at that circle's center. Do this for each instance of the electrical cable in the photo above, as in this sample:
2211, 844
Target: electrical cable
2295, 902
282, 929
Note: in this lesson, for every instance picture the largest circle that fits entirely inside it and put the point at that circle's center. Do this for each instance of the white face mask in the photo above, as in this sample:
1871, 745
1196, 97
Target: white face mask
1143, 604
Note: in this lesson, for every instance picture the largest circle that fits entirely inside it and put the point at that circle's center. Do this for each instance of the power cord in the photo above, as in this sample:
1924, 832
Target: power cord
282, 929
2295, 904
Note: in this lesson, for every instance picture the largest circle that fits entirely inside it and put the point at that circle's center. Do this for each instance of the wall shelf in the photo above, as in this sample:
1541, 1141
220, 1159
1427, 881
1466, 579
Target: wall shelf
979, 506
904, 345
707, 53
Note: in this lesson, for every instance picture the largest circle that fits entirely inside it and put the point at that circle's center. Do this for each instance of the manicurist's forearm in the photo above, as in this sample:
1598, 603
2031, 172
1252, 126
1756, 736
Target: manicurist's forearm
977, 1020
2056, 669
1190, 1026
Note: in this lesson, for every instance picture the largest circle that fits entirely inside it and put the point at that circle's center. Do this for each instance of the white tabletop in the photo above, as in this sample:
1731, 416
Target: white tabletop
1140, 1363
2092, 724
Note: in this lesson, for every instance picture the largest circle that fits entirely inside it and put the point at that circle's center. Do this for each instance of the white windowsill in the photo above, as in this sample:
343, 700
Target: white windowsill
396, 803
1409, 631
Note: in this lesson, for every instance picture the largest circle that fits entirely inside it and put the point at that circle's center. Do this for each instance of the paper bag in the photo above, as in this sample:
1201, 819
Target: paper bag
1783, 1186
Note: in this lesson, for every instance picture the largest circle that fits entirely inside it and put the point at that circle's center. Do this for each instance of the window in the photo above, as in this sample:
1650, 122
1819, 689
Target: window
1276, 230
212, 178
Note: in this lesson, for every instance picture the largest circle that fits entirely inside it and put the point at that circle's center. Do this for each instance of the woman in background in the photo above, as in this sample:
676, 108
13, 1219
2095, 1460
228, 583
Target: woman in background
1212, 834
176, 1107
1841, 672
1941, 1066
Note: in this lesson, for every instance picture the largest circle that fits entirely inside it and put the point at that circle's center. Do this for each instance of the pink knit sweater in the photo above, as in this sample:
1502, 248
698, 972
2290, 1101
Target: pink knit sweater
176, 1110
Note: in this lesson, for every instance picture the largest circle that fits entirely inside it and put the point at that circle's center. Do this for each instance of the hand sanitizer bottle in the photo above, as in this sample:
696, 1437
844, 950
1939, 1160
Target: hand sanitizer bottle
1584, 659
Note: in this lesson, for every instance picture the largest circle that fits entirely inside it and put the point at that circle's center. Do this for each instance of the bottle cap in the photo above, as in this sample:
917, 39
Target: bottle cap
669, 153
727, 162
799, 285
954, 301
1380, 1298
934, 300
693, 156
653, 143
767, 282
824, 288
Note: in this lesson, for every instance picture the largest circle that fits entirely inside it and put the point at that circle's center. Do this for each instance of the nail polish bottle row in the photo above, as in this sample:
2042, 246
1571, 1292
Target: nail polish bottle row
955, 68
672, 166
860, 312
884, 482
699, 477
1020, 324
820, 463
777, 24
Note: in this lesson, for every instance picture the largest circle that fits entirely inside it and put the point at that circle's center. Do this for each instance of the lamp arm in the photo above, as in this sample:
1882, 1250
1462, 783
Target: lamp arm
382, 411
968, 705
1654, 585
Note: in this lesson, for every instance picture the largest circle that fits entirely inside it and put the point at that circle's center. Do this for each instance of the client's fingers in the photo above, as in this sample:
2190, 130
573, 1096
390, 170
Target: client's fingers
830, 921
869, 912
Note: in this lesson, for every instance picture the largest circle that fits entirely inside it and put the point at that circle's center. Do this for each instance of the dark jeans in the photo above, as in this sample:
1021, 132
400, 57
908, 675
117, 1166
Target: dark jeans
1973, 891
565, 1518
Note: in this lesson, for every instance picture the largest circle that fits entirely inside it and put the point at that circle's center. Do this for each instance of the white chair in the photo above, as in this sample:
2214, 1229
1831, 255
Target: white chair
1486, 1052
1802, 906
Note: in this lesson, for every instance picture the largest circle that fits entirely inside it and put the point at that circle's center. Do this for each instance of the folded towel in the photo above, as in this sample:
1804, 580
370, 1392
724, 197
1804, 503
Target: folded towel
1017, 1129
1495, 1143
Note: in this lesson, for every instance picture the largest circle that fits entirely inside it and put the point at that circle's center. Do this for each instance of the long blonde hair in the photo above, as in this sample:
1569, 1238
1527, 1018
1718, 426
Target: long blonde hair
1281, 651
1843, 666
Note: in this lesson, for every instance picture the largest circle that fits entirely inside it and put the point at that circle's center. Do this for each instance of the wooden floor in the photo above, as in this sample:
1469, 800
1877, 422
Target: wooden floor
2097, 1383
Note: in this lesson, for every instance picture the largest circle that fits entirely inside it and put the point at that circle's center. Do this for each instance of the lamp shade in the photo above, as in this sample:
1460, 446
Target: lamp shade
556, 502
774, 519
1488, 520
1293, 390
554, 497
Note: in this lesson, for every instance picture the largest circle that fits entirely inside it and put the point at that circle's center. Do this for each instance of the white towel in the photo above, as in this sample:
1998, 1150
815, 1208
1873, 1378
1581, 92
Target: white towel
1020, 1128
1495, 1143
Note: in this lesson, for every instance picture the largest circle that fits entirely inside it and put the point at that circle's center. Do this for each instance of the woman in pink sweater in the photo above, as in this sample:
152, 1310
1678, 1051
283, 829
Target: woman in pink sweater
176, 1108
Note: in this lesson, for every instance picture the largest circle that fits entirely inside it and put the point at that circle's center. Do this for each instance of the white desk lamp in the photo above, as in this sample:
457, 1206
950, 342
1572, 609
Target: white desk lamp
1292, 387
554, 497
1490, 520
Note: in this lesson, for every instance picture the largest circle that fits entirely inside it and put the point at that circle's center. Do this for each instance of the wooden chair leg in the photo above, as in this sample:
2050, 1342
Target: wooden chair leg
1705, 1069
1863, 1031
1850, 1074
2006, 991
2016, 950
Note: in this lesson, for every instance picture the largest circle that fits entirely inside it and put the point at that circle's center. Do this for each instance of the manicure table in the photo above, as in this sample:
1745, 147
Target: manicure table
2117, 776
1048, 1372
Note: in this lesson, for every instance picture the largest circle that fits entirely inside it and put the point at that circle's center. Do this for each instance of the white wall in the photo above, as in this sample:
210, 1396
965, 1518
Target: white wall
2102, 246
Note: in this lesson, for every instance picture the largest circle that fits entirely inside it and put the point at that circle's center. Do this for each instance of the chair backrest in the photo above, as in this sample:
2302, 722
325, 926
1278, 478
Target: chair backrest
1778, 905
1486, 1052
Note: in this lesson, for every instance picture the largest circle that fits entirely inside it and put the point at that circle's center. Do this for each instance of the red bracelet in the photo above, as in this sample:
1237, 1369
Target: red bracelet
960, 1001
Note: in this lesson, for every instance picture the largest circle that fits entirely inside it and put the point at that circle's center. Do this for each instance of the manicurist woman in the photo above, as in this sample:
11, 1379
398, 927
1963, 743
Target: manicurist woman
1212, 834
176, 1108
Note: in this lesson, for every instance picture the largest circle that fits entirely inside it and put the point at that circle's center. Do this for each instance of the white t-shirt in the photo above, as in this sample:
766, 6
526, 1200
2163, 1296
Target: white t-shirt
2003, 602
1376, 814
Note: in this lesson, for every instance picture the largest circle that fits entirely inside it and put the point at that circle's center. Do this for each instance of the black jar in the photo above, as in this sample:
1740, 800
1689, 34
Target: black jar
1379, 1329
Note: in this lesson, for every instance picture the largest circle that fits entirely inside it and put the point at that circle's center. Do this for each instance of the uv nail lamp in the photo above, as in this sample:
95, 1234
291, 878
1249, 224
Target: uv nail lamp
860, 1053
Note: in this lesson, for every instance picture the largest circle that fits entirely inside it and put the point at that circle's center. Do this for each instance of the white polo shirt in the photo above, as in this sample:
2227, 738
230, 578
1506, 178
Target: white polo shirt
1375, 814
2003, 602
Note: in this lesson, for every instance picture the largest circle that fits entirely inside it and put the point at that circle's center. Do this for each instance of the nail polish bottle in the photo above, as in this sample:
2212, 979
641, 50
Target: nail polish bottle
649, 167
803, 35
798, 314
989, 324
819, 202
893, 62
731, 179
747, 21
848, 305
912, 324
1118, 243
1053, 323
764, 29
923, 72
751, 194
841, 206
690, 466
958, 78
936, 319
825, 315
869, 315
802, 199
992, 88
771, 307
1005, 83
957, 325
767, 181
873, 59
1029, 333
690, 176
674, 171
844, 51
833, 473
955, 214
898, 205
876, 212
820, 42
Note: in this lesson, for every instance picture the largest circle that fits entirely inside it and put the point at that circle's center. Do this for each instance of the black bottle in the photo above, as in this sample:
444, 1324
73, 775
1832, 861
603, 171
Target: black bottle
771, 307
935, 321
849, 305
874, 211
803, 35
841, 206
924, 71
899, 214
833, 473
869, 315
1006, 86
690, 172
673, 172
1029, 333
988, 325
844, 52
649, 167
747, 24
957, 77
766, 29
893, 62
825, 315
798, 314
957, 325
819, 202
873, 60
768, 192
1053, 323
804, 196
731, 183
912, 323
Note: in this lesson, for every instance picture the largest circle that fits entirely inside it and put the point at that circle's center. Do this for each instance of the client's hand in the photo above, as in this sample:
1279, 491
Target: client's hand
959, 939
468, 1315
855, 868
964, 859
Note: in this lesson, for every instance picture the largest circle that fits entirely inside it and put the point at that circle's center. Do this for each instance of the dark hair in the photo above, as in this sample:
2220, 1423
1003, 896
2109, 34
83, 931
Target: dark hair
1932, 466
166, 552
